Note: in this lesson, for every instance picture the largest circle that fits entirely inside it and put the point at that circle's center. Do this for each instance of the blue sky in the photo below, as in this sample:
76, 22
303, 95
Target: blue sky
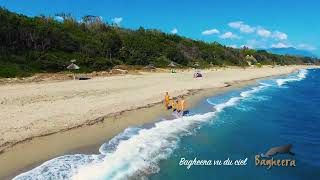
254, 23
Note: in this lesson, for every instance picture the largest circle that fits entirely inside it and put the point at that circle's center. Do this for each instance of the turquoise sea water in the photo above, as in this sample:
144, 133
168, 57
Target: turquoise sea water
235, 125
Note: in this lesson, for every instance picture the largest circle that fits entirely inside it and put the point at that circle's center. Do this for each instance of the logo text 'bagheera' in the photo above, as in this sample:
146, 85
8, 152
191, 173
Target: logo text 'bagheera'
261, 161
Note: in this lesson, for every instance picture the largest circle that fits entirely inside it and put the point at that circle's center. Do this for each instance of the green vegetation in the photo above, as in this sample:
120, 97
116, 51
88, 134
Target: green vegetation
42, 44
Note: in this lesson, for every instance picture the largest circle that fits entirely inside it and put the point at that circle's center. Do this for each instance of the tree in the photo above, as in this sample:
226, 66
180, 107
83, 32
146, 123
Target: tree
42, 44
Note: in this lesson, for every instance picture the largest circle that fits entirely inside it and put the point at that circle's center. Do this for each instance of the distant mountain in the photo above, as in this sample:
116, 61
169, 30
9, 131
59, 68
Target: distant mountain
291, 51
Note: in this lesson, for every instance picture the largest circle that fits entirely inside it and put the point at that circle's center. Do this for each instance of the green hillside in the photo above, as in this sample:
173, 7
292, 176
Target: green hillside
42, 44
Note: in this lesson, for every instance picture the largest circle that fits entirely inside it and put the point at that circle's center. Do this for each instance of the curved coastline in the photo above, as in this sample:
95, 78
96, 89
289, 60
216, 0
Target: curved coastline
155, 109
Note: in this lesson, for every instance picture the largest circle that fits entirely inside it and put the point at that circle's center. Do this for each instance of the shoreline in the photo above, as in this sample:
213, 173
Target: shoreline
7, 145
90, 145
121, 120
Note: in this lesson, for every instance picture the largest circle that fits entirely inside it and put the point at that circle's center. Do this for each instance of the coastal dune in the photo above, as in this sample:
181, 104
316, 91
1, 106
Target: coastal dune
34, 109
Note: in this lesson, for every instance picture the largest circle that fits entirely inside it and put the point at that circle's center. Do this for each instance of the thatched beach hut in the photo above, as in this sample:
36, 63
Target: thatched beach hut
73, 67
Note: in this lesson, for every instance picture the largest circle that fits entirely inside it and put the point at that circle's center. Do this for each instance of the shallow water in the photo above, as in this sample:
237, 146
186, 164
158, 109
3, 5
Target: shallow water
236, 125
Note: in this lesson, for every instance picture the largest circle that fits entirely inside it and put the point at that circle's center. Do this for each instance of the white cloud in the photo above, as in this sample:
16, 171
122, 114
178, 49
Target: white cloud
280, 35
210, 32
245, 28
233, 46
236, 24
277, 35
280, 45
174, 31
306, 47
264, 33
229, 35
117, 20
58, 18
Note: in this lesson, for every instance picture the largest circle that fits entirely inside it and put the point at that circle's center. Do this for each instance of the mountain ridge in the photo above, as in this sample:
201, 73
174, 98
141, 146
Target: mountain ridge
291, 51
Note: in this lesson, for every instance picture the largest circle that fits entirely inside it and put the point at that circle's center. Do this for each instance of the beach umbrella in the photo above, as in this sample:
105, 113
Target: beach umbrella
172, 64
73, 66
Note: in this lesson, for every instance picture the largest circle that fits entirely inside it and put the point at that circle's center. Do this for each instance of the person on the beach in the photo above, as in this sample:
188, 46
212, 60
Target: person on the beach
167, 100
182, 104
174, 105
182, 107
177, 105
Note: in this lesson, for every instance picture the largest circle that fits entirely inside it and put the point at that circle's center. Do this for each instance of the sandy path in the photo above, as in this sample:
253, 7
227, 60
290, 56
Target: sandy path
34, 109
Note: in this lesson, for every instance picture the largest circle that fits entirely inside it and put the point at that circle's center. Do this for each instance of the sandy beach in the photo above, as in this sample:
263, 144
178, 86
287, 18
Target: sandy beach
100, 90
36, 109
100, 107
87, 139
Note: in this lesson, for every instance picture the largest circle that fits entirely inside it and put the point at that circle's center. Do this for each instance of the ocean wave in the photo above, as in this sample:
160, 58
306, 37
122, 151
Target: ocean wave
243, 95
135, 152
139, 155
245, 108
110, 146
297, 77
133, 156
59, 168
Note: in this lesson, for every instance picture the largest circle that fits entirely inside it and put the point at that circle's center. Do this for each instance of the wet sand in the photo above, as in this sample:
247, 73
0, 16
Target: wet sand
87, 139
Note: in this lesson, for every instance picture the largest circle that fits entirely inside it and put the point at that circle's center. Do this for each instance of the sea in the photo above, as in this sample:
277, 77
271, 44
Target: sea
219, 139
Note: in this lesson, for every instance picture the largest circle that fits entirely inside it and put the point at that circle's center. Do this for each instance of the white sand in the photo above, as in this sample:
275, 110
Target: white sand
35, 109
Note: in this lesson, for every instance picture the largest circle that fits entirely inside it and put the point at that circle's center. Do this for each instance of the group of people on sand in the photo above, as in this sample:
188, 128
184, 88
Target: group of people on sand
177, 105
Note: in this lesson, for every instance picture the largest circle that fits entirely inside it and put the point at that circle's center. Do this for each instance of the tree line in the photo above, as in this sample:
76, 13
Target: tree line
42, 44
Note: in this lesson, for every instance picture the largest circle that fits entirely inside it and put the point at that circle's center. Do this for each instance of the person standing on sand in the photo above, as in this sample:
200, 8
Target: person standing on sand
166, 100
182, 106
174, 104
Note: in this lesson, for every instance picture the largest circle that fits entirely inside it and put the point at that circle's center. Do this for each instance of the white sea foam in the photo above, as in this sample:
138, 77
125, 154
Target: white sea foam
59, 168
140, 154
110, 146
210, 102
300, 76
136, 151
265, 84
136, 155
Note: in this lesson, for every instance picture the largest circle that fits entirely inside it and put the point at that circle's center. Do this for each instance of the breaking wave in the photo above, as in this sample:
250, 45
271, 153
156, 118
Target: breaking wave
297, 77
